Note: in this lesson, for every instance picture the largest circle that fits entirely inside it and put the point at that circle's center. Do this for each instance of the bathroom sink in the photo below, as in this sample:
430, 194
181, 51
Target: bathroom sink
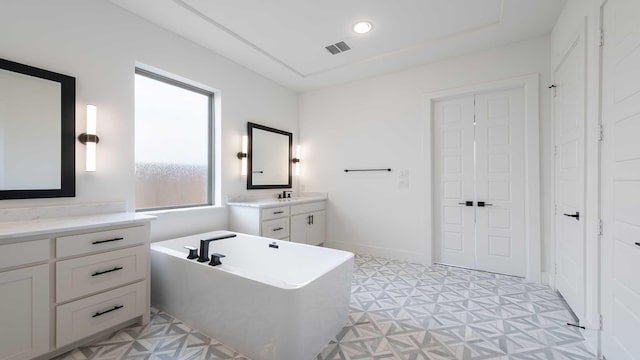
272, 202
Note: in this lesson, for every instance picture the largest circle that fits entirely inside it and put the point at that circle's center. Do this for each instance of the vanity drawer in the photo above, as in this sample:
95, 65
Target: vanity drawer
23, 253
307, 208
276, 229
90, 274
99, 241
86, 317
274, 213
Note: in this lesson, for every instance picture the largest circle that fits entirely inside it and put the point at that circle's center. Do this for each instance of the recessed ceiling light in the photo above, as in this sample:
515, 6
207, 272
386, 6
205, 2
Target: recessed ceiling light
362, 27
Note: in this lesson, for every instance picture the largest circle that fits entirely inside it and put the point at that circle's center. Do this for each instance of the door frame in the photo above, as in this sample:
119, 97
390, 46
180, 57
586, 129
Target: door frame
531, 85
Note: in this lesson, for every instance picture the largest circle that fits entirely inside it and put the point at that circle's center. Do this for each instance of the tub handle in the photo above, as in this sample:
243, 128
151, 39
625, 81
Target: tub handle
215, 259
193, 252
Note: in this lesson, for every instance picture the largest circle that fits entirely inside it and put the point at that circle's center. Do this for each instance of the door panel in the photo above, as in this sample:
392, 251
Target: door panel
621, 180
453, 184
569, 115
499, 141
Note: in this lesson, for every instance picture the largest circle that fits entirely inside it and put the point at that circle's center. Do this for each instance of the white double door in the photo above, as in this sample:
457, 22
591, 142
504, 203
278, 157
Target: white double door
479, 181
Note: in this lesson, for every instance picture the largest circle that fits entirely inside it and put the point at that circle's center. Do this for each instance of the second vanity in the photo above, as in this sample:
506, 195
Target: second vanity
300, 219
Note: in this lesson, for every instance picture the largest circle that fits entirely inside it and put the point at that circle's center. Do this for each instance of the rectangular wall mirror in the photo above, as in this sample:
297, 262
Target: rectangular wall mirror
269, 157
37, 132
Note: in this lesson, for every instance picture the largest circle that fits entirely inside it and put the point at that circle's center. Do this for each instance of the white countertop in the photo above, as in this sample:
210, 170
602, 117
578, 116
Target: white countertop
28, 228
268, 203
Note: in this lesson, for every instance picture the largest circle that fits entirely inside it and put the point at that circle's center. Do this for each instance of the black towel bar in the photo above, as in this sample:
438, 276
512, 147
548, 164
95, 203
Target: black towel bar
348, 170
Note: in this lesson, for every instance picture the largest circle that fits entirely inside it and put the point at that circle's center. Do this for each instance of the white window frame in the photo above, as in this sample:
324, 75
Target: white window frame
211, 176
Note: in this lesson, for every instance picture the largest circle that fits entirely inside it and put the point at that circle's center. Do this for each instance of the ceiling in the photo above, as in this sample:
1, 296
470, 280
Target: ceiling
285, 40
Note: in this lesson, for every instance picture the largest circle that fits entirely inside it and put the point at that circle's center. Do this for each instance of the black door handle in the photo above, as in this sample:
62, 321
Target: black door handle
483, 204
576, 215
466, 203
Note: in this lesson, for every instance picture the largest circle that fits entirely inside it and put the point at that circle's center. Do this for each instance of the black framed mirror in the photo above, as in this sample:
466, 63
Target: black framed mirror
269, 157
37, 132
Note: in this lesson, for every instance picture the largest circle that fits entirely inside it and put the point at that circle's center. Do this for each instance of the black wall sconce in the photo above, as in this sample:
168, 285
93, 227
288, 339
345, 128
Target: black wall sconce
242, 155
89, 138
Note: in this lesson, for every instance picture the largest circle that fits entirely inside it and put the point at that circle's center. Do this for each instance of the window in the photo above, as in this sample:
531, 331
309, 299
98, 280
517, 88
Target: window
173, 136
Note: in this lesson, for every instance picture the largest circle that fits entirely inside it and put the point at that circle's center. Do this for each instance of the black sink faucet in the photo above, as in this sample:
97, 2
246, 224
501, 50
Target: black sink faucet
285, 194
204, 246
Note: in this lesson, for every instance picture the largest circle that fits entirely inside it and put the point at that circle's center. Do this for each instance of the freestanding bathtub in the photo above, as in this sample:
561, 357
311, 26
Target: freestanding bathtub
266, 303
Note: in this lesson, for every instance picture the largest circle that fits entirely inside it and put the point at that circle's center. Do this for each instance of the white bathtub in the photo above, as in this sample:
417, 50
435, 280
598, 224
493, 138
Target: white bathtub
276, 304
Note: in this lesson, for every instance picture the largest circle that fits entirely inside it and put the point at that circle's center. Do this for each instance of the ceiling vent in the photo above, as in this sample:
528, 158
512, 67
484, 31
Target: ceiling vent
338, 48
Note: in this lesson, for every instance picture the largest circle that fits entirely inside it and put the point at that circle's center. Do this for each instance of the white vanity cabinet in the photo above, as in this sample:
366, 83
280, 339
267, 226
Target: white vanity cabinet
64, 281
271, 222
299, 220
308, 223
24, 300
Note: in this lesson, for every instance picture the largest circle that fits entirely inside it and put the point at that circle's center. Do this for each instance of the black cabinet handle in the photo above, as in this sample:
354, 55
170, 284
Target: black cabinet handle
278, 229
278, 212
638, 244
106, 241
576, 215
107, 271
100, 313
483, 204
466, 203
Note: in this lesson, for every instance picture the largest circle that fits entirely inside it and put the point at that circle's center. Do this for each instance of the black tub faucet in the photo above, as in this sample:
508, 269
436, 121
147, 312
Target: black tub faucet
204, 247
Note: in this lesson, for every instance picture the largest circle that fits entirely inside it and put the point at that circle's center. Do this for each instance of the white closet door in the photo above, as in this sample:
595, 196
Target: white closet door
621, 180
569, 108
453, 185
500, 162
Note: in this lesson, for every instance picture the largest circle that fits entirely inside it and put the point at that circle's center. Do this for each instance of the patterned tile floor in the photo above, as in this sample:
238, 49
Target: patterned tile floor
398, 310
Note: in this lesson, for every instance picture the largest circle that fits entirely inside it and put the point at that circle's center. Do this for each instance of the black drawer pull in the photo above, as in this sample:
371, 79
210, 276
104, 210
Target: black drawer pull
107, 271
638, 244
99, 313
106, 241
278, 229
278, 212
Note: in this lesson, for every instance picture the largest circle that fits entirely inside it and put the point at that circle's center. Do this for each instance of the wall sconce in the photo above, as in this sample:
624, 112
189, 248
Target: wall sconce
90, 139
296, 161
242, 155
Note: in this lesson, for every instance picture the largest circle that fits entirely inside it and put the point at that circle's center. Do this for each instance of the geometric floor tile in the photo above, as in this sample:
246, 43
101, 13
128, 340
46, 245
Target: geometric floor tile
398, 310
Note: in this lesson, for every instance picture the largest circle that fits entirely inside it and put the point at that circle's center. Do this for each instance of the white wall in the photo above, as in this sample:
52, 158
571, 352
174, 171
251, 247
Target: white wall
381, 122
99, 44
576, 14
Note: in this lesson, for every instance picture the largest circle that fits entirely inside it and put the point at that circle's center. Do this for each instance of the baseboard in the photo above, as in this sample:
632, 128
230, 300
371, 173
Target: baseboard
591, 336
379, 251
